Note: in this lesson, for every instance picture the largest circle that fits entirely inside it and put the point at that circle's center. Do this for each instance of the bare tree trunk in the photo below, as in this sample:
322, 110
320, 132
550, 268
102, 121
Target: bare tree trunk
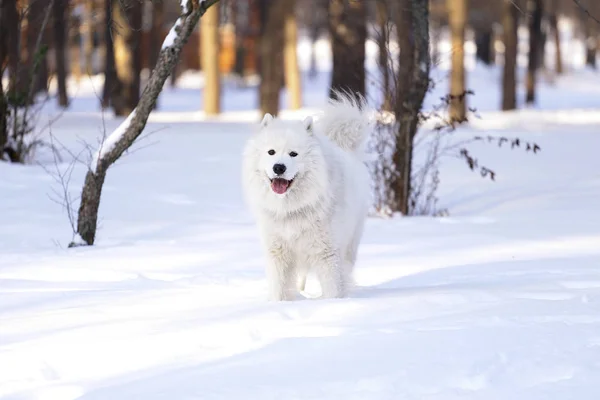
413, 81
158, 21
457, 17
3, 108
318, 22
13, 42
293, 81
126, 41
509, 77
272, 16
125, 135
348, 33
34, 67
484, 41
383, 39
239, 67
60, 7
156, 35
75, 49
110, 73
553, 22
534, 8
88, 38
4, 34
209, 60
590, 37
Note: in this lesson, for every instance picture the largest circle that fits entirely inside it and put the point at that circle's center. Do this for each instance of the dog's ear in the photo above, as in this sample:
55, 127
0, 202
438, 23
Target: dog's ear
308, 125
266, 120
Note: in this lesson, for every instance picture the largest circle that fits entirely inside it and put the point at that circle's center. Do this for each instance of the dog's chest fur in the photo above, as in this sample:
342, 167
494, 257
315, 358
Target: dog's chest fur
300, 225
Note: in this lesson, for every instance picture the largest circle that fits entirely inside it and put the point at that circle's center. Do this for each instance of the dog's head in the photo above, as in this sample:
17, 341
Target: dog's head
285, 160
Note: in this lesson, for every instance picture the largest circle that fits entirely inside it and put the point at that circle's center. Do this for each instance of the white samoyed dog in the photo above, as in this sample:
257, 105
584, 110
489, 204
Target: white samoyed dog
308, 187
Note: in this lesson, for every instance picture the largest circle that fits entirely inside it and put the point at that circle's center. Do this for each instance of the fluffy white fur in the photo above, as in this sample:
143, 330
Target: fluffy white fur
317, 223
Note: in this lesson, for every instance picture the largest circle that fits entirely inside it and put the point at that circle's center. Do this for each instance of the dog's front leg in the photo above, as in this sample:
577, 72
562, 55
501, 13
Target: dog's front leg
280, 271
329, 269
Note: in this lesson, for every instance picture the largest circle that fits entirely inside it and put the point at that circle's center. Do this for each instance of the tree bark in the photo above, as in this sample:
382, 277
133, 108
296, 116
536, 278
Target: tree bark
209, 60
293, 81
553, 22
125, 135
33, 70
88, 42
75, 49
158, 21
39, 60
11, 34
413, 82
59, 10
590, 38
156, 35
457, 18
534, 8
110, 73
348, 33
484, 41
126, 41
383, 40
272, 16
510, 37
7, 27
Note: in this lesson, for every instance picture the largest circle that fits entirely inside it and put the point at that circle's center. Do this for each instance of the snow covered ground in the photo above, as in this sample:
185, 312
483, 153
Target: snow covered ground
500, 300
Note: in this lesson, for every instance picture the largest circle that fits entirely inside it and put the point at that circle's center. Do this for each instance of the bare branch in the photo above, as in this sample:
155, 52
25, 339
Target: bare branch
125, 135
586, 11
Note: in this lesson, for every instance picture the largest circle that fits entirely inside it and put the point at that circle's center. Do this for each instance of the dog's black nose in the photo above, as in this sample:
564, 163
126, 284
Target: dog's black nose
279, 169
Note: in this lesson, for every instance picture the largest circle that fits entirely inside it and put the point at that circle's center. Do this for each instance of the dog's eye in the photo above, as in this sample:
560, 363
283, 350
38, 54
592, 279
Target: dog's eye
271, 152
293, 154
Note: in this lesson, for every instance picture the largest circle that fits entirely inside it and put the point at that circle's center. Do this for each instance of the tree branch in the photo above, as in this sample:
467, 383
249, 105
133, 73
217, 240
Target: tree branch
585, 10
124, 136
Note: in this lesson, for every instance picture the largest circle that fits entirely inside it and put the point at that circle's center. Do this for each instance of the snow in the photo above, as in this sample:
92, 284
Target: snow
108, 144
499, 300
172, 35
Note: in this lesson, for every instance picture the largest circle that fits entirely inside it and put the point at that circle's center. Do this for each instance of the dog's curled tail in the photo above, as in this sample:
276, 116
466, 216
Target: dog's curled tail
346, 121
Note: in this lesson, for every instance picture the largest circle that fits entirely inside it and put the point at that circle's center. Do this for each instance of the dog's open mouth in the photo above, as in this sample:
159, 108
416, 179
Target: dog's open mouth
280, 185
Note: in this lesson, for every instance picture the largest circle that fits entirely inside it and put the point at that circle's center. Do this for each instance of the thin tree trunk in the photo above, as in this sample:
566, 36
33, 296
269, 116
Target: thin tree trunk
348, 33
457, 17
12, 36
156, 35
413, 81
534, 8
126, 41
590, 38
239, 67
88, 42
484, 41
75, 47
293, 81
383, 40
553, 22
509, 76
59, 8
209, 60
3, 58
3, 107
272, 16
125, 135
110, 72
33, 67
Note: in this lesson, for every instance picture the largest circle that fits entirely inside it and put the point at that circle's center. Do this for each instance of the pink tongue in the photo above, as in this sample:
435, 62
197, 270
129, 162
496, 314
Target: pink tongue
279, 185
